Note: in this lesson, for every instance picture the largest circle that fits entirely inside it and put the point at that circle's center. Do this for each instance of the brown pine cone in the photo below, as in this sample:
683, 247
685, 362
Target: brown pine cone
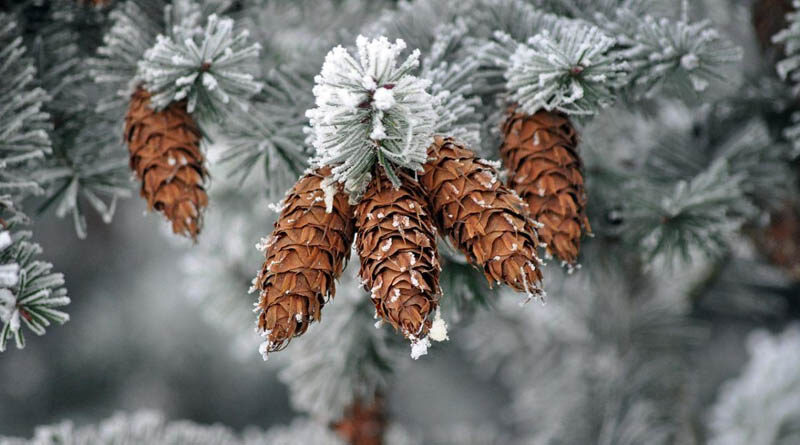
540, 153
165, 154
363, 424
779, 241
399, 260
482, 217
305, 254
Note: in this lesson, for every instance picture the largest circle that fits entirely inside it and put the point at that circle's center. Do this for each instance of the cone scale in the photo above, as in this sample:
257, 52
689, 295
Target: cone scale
545, 169
165, 154
399, 261
481, 217
306, 252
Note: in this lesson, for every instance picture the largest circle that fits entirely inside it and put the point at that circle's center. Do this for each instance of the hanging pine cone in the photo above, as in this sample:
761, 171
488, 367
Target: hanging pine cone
363, 424
540, 153
780, 240
165, 154
482, 218
305, 254
399, 260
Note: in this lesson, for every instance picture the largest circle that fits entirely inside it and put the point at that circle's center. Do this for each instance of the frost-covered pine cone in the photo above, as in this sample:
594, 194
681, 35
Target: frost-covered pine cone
399, 260
305, 254
482, 218
166, 156
572, 70
540, 152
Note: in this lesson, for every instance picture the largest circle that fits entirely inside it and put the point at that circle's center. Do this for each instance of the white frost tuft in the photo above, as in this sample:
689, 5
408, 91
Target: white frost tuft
369, 109
383, 98
419, 347
329, 187
438, 330
263, 349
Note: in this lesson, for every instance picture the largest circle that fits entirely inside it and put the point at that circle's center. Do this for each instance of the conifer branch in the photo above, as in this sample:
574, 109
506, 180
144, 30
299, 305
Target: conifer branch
208, 68
371, 110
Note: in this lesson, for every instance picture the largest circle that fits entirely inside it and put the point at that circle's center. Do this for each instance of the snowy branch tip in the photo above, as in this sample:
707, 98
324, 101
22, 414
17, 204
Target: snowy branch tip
370, 109
208, 68
573, 70
29, 292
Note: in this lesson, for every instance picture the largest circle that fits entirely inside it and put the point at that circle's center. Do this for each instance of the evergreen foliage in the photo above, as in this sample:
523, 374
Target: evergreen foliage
571, 71
371, 110
686, 152
761, 405
30, 292
789, 68
179, 67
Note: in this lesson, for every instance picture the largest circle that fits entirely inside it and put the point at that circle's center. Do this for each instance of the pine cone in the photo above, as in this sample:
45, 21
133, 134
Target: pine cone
306, 252
482, 218
165, 154
399, 260
780, 240
363, 424
540, 153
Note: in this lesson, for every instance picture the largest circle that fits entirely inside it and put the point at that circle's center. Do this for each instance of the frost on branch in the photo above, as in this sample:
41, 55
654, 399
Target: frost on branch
789, 68
455, 102
572, 70
270, 134
23, 124
135, 26
684, 56
702, 212
792, 133
86, 168
762, 405
209, 68
370, 109
604, 339
150, 427
503, 25
29, 292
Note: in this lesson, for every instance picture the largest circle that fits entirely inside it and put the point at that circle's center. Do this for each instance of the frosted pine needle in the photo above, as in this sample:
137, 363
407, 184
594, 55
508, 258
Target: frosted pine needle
29, 292
370, 108
208, 69
573, 70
